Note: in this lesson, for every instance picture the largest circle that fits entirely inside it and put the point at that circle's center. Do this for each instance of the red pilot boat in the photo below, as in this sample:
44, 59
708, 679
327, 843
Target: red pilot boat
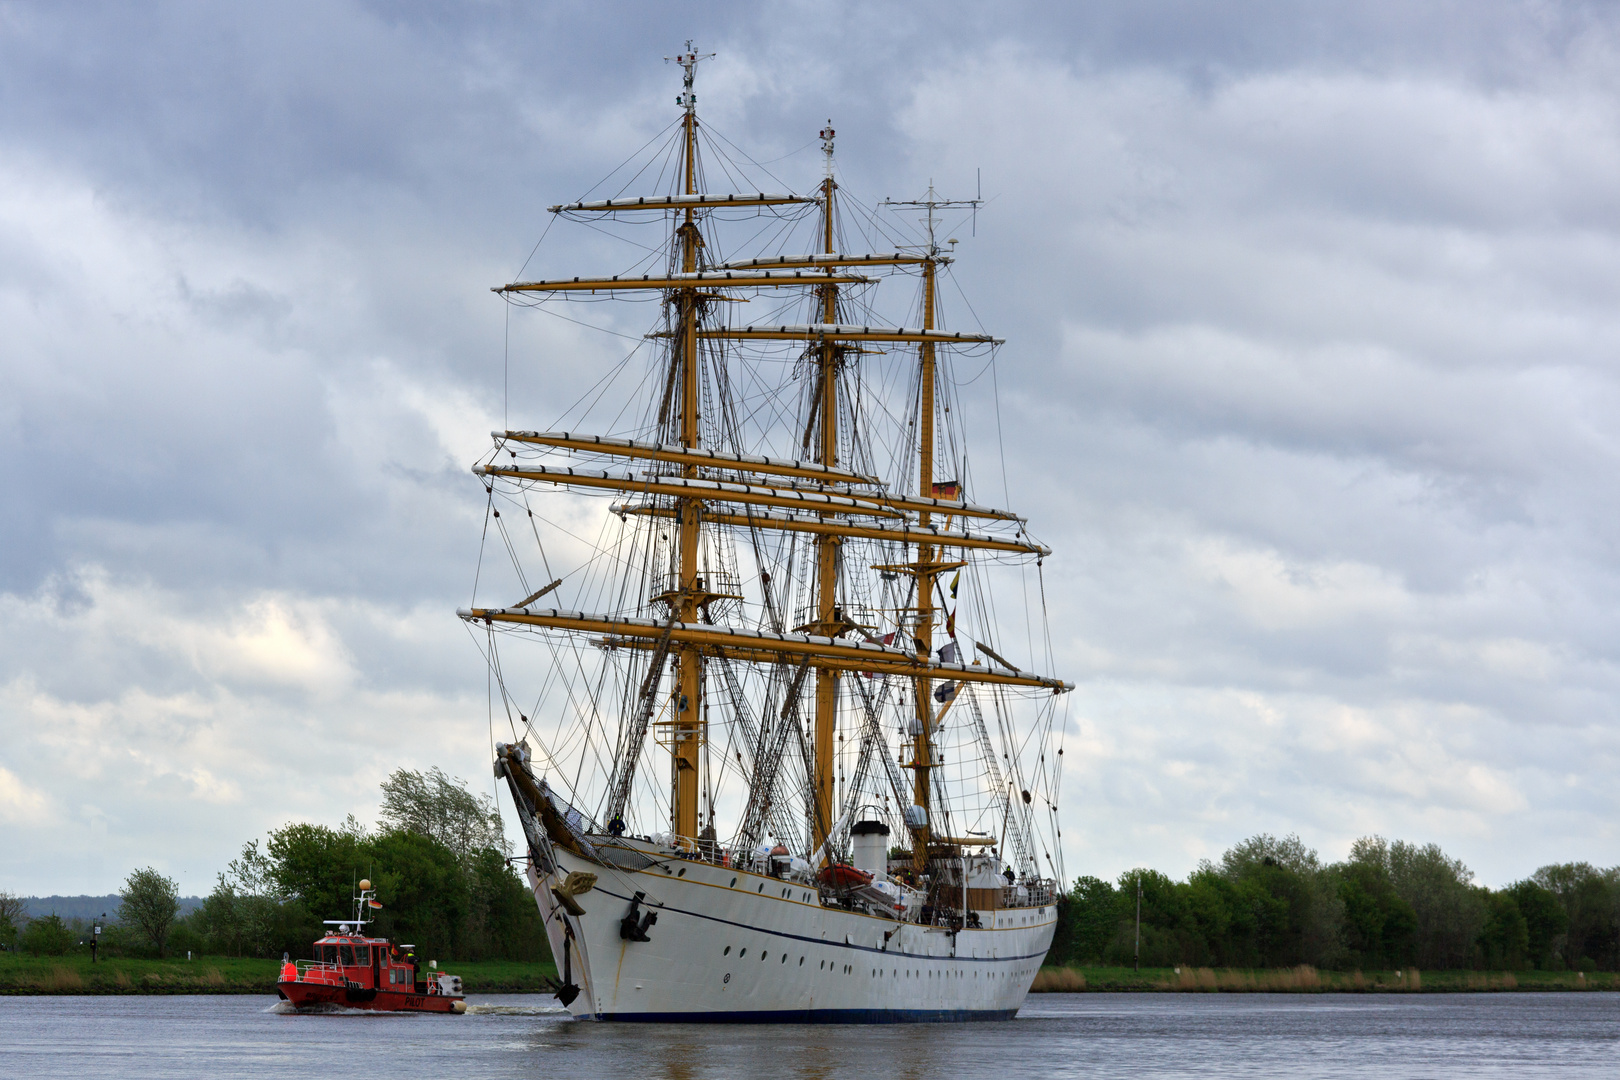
353, 971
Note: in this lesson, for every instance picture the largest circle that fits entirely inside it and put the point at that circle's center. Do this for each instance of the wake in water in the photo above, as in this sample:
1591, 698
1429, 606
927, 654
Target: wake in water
285, 1008
516, 1010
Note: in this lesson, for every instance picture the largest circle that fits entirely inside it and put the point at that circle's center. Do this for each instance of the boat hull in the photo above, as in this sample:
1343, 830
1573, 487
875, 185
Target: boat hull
731, 946
303, 995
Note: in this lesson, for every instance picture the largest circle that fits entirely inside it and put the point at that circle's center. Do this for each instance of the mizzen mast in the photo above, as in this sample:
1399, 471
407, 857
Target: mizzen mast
928, 566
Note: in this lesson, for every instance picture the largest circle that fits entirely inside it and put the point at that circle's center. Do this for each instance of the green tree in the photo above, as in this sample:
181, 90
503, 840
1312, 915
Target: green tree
1162, 917
150, 904
1378, 928
1505, 938
1284, 908
1545, 923
48, 936
503, 921
1449, 911
11, 918
424, 890
319, 866
1088, 920
248, 913
1591, 901
434, 804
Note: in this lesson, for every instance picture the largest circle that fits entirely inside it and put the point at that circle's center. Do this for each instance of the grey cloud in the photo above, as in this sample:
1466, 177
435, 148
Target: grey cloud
1309, 378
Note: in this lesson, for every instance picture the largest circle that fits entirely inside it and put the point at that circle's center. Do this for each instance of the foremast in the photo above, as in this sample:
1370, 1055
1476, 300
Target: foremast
687, 730
829, 545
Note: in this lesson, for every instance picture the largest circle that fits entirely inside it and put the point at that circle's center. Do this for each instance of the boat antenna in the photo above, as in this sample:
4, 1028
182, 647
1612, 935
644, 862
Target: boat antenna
933, 202
688, 60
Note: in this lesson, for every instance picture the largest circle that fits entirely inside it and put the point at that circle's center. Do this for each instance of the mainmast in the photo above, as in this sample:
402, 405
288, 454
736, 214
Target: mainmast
829, 544
686, 726
928, 567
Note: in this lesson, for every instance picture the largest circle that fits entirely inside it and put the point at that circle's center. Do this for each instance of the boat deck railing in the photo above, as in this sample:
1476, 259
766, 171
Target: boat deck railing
318, 971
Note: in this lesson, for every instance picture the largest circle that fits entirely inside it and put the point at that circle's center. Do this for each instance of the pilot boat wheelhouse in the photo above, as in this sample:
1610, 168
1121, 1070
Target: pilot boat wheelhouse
353, 970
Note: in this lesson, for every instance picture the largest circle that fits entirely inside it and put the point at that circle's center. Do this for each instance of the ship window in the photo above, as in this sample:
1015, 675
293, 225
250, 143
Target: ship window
682, 872
362, 955
329, 954
727, 952
784, 958
733, 884
742, 952
762, 886
764, 956
348, 956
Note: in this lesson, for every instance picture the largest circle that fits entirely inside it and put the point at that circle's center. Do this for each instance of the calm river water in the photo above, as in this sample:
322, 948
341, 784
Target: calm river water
1069, 1035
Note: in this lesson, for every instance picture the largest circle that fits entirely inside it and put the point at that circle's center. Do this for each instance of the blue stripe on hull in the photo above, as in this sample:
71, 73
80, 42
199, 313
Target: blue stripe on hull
814, 1016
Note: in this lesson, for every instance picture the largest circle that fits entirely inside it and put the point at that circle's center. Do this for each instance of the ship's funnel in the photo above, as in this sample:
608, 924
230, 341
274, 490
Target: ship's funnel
870, 843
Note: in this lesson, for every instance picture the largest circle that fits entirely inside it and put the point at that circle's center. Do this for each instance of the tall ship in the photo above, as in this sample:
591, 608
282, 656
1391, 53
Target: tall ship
778, 746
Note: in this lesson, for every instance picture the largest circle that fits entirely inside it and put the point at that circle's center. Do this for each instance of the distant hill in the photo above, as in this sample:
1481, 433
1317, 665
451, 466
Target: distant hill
89, 907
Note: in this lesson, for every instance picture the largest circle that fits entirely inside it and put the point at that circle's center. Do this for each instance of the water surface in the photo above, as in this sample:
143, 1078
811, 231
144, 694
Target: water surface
1068, 1035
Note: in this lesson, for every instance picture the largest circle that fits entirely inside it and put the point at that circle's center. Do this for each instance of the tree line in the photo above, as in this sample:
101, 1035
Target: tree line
439, 861
1271, 902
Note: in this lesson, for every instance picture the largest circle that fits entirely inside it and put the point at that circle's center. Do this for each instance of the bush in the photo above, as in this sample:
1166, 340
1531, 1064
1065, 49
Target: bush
49, 936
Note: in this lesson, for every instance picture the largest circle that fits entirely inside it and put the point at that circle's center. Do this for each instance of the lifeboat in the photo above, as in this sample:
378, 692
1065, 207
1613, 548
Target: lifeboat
353, 970
844, 876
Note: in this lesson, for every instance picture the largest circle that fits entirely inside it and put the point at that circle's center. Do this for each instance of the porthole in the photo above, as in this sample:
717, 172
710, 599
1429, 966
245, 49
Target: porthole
742, 952
682, 872
822, 966
764, 956
801, 961
762, 886
784, 958
727, 952
733, 884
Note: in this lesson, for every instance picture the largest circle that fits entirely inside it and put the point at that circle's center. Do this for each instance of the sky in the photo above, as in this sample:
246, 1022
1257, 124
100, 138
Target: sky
1310, 382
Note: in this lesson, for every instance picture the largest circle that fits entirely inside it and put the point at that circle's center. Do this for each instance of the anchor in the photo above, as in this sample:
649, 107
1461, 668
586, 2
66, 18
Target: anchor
567, 991
632, 928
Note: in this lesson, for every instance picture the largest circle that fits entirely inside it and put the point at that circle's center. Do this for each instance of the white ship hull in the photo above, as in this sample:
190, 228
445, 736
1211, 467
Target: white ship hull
730, 945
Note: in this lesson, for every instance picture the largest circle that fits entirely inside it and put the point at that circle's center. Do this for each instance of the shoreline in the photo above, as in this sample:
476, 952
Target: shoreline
75, 975
130, 976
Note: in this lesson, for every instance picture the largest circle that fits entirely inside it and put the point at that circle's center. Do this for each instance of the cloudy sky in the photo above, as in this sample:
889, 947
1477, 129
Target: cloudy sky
1311, 381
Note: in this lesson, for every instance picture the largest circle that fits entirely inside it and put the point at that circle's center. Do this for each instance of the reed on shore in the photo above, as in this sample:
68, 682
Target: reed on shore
1304, 979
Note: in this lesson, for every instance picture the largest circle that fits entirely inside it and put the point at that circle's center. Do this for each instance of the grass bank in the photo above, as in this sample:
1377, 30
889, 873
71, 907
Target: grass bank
1307, 980
74, 974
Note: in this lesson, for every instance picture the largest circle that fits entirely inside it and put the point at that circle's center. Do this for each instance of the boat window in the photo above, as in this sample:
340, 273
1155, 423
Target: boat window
329, 954
727, 952
362, 955
733, 884
348, 956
